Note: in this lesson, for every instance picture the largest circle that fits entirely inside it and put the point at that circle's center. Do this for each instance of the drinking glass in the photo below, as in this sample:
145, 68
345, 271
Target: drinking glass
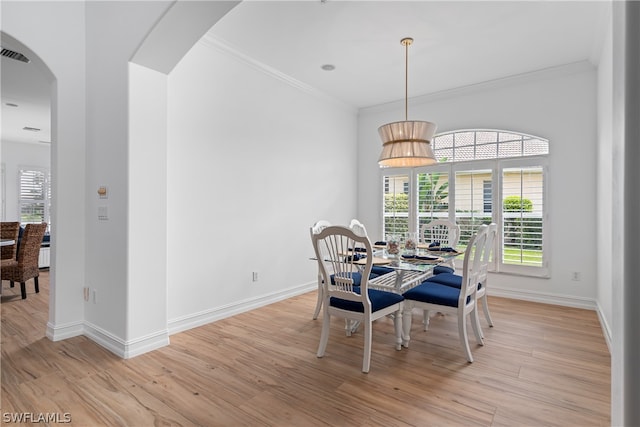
393, 244
411, 243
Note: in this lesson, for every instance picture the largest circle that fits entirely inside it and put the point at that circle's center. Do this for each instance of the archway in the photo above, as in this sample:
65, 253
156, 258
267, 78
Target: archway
92, 146
27, 89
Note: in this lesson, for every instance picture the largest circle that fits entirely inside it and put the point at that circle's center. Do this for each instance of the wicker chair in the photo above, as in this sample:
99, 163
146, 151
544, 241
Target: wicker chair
25, 267
9, 230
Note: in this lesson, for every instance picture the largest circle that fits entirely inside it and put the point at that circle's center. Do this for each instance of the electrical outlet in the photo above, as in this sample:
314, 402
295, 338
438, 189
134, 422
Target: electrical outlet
255, 276
575, 276
95, 296
86, 293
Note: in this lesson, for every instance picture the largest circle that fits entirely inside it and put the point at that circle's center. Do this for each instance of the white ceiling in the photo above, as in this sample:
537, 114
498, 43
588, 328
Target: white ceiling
26, 86
456, 43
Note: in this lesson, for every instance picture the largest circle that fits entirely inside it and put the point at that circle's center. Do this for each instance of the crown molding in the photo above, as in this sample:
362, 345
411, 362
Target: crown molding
516, 79
223, 46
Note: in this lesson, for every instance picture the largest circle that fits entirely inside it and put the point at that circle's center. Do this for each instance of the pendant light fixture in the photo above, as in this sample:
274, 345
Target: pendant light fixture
406, 144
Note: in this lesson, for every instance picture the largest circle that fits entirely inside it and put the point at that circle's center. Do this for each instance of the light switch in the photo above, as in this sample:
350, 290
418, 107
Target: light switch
103, 213
103, 192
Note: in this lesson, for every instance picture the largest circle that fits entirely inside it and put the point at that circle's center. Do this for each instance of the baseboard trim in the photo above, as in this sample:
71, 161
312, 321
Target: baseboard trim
141, 345
105, 339
62, 332
555, 299
146, 343
126, 349
606, 329
564, 300
208, 316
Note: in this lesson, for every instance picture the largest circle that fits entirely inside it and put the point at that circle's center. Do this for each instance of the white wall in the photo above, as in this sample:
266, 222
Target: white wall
252, 163
147, 204
114, 31
605, 190
558, 104
13, 156
89, 149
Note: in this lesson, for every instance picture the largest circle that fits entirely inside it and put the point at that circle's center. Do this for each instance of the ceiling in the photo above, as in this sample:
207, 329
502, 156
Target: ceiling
25, 86
456, 44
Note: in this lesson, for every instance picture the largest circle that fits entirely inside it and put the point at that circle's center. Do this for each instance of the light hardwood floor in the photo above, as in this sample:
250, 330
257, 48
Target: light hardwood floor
542, 365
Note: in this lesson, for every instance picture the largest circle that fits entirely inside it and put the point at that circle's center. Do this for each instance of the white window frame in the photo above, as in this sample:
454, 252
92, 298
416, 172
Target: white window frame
497, 166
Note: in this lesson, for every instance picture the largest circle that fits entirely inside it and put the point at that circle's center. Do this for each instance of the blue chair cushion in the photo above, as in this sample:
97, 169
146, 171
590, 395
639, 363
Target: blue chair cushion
357, 278
439, 269
379, 300
380, 270
434, 293
449, 279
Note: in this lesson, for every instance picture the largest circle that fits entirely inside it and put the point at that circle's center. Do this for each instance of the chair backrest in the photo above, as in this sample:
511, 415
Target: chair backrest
440, 230
492, 231
333, 247
29, 251
9, 230
316, 229
472, 266
358, 227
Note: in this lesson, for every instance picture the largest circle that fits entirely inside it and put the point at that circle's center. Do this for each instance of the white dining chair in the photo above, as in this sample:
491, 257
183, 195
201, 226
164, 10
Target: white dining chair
454, 280
346, 288
444, 232
487, 255
316, 229
358, 227
434, 296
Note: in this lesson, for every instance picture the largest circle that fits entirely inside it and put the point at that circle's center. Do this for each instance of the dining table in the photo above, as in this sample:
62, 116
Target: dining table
406, 270
403, 270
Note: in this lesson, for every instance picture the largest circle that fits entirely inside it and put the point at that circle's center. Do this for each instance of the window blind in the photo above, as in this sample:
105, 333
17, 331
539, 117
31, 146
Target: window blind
522, 213
433, 197
34, 195
396, 205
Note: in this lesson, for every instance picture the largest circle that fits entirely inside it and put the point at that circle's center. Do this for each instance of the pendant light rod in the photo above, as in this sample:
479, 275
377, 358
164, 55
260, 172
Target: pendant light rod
406, 144
406, 42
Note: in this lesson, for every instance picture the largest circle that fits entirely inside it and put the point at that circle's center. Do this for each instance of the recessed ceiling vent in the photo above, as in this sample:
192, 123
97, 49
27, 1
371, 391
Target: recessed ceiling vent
15, 55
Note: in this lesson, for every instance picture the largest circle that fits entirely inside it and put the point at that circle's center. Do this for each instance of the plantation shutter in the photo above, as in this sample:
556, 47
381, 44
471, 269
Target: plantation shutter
482, 176
471, 205
34, 195
522, 213
396, 205
433, 197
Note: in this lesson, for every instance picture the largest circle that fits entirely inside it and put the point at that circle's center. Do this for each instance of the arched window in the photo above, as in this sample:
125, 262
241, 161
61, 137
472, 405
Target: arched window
464, 145
482, 176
